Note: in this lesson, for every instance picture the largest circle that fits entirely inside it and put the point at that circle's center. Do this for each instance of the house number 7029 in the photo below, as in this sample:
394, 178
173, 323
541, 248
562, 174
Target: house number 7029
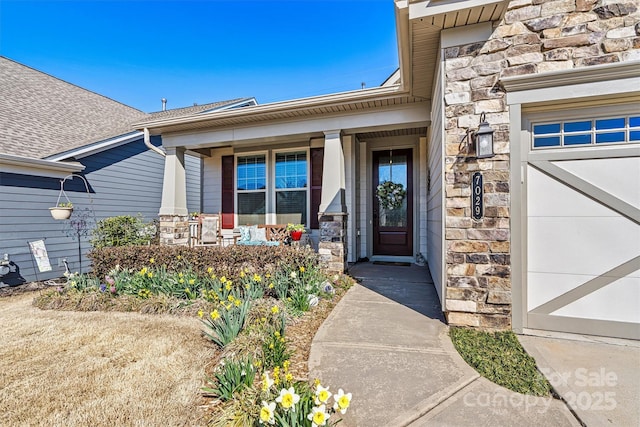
477, 196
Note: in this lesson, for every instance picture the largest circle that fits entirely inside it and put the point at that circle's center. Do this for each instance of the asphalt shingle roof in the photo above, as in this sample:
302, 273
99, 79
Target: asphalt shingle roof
41, 115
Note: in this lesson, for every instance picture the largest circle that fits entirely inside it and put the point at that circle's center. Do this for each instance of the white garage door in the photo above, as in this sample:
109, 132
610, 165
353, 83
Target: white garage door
582, 225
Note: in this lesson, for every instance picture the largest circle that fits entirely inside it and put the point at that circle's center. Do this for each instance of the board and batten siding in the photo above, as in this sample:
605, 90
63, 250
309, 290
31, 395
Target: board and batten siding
435, 144
126, 180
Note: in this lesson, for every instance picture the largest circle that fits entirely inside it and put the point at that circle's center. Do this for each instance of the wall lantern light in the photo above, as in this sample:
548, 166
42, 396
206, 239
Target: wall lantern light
481, 140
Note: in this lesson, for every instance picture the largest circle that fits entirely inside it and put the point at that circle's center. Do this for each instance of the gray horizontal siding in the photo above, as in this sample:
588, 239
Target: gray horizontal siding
126, 180
193, 166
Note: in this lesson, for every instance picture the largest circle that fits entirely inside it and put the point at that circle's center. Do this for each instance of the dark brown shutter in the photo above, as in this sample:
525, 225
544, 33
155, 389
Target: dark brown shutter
317, 157
227, 192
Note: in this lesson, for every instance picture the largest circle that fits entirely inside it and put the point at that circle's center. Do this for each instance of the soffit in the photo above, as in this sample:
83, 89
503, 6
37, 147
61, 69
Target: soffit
427, 19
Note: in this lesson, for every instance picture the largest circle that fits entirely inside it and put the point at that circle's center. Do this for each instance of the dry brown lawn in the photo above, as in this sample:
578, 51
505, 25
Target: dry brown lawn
62, 368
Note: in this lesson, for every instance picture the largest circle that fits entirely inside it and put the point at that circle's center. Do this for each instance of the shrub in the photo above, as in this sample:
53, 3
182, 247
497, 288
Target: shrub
221, 261
122, 230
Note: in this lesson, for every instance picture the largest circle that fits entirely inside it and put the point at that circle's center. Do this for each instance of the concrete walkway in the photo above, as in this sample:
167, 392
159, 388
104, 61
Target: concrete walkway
386, 342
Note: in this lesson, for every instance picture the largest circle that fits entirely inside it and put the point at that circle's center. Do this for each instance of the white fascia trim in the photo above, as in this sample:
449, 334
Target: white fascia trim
595, 73
96, 147
38, 167
311, 102
403, 37
591, 81
250, 101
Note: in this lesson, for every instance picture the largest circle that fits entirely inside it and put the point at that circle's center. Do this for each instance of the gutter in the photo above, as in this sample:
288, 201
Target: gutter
301, 103
147, 142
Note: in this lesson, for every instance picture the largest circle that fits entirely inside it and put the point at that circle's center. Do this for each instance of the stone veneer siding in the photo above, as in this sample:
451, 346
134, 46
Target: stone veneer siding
174, 230
535, 36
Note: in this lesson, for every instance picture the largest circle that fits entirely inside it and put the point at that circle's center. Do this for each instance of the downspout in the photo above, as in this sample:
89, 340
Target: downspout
147, 142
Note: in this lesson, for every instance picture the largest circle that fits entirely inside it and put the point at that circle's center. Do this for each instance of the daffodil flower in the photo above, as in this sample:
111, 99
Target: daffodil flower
152, 260
322, 394
215, 315
200, 313
267, 413
288, 399
342, 401
275, 309
318, 416
266, 382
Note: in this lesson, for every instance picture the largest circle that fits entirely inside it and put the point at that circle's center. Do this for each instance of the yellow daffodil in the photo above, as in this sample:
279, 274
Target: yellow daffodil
275, 309
152, 260
276, 375
180, 275
228, 286
286, 365
322, 394
301, 269
318, 416
238, 303
181, 281
342, 401
210, 270
200, 313
267, 413
257, 278
179, 257
215, 315
143, 271
288, 399
223, 279
316, 382
270, 286
288, 377
192, 281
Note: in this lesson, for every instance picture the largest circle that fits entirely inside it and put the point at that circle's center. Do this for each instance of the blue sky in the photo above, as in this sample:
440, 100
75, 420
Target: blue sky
138, 52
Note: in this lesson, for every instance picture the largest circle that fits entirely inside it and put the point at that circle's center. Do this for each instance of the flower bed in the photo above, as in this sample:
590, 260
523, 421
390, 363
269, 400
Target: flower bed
246, 315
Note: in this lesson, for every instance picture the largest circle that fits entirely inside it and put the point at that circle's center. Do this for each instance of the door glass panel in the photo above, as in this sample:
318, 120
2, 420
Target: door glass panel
393, 169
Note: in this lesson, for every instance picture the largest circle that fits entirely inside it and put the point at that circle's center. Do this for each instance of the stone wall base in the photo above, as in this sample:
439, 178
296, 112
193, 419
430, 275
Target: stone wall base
491, 322
174, 230
332, 248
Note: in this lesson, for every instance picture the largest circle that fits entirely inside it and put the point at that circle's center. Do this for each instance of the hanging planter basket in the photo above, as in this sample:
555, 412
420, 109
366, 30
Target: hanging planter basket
61, 212
63, 209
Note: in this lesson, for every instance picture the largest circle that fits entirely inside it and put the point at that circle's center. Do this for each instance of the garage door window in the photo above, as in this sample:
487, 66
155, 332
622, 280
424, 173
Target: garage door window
610, 130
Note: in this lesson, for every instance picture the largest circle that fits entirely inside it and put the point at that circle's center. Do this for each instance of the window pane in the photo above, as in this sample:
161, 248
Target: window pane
291, 206
634, 135
577, 126
547, 142
251, 208
634, 121
543, 129
577, 139
610, 137
252, 173
610, 123
291, 170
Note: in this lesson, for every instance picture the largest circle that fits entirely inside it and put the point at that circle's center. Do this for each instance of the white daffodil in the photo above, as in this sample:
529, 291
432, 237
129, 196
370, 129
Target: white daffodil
322, 395
267, 413
318, 416
288, 399
342, 401
266, 382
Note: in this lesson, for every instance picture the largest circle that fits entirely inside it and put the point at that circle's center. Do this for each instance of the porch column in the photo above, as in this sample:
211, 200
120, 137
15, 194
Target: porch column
333, 211
174, 217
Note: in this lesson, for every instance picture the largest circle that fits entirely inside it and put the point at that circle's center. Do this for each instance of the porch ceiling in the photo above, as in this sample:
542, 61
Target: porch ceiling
427, 19
420, 131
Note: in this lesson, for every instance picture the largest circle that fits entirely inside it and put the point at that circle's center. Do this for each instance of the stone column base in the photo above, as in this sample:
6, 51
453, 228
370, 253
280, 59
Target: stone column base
332, 248
174, 230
